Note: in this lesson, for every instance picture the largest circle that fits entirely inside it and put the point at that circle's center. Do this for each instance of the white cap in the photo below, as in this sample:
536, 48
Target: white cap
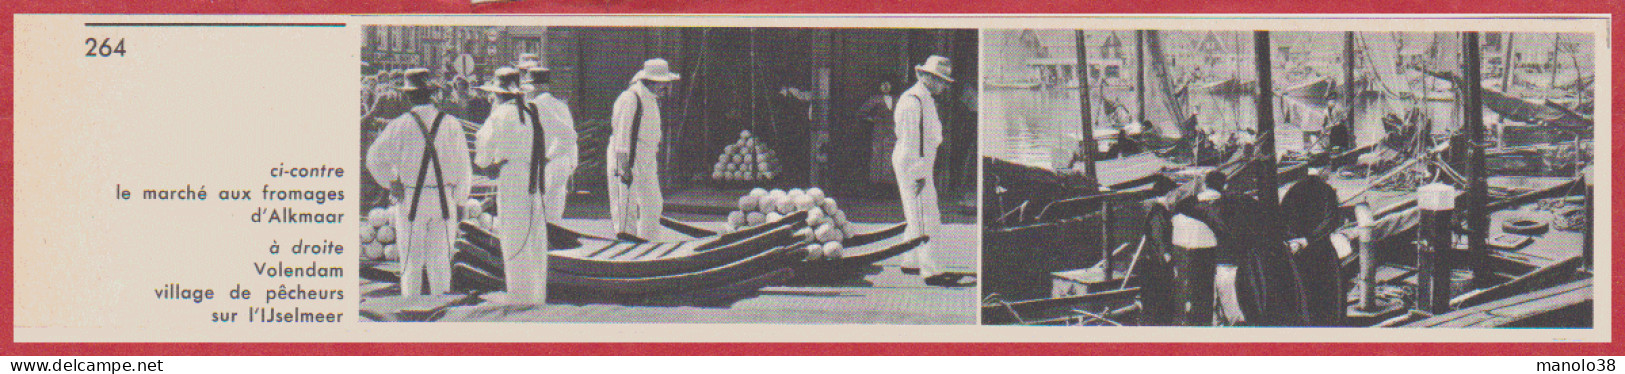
1363, 216
1436, 197
1190, 233
1208, 195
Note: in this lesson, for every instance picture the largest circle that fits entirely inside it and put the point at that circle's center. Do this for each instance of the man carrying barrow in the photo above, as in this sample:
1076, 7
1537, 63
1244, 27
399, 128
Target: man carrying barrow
914, 157
513, 140
423, 153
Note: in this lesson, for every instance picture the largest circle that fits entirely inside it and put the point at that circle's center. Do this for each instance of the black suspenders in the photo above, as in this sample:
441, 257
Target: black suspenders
429, 155
637, 129
538, 144
921, 102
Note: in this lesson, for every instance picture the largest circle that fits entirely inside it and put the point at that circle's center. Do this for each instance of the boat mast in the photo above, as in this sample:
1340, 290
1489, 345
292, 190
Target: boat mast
1478, 223
1139, 74
1348, 92
1506, 64
1268, 188
1088, 143
1507, 67
1557, 39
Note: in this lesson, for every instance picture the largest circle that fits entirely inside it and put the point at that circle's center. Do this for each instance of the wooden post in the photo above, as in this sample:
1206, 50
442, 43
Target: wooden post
1591, 223
1088, 142
1478, 219
1368, 258
1435, 254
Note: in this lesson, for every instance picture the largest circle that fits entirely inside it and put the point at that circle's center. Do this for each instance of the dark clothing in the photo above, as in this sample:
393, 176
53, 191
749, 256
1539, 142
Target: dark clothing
1313, 215
878, 116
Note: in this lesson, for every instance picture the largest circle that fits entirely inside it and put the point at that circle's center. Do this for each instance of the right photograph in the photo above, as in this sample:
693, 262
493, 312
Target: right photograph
1287, 178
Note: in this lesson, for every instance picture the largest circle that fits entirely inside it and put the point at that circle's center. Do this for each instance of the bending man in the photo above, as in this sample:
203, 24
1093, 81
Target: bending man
634, 145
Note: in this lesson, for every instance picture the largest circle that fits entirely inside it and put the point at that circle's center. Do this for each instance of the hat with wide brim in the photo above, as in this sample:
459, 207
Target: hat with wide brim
938, 66
537, 75
527, 61
504, 81
656, 70
415, 79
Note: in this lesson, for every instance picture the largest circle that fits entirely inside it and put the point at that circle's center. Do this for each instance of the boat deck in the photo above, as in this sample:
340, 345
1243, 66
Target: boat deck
882, 295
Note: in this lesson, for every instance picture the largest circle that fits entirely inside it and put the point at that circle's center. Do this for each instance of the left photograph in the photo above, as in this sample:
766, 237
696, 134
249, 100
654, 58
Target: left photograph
669, 175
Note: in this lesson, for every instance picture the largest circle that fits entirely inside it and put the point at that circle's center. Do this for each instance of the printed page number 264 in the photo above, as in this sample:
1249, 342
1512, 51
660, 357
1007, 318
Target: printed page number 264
104, 47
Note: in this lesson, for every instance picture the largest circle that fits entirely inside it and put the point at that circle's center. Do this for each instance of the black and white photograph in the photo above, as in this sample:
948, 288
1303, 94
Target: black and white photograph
669, 175
1288, 178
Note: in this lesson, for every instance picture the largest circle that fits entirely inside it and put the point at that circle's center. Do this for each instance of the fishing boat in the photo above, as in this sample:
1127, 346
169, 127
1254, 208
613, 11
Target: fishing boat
1388, 263
1229, 86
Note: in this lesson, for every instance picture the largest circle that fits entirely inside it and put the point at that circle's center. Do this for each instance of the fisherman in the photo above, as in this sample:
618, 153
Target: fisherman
1192, 259
1311, 218
1255, 284
634, 145
919, 133
511, 139
423, 155
560, 130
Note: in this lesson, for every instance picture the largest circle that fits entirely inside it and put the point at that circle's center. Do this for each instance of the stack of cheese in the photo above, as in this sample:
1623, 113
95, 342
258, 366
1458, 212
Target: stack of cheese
378, 235
748, 159
826, 223
378, 231
473, 211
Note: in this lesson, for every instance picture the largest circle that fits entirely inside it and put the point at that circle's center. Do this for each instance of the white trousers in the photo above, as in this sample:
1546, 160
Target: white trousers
924, 219
522, 225
636, 209
558, 186
425, 245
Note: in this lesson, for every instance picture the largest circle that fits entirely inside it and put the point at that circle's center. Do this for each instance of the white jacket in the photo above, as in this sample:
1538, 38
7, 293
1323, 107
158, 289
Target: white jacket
919, 133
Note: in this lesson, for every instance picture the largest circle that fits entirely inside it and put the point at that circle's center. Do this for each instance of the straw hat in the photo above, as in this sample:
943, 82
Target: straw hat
938, 66
504, 81
415, 79
527, 61
656, 69
535, 76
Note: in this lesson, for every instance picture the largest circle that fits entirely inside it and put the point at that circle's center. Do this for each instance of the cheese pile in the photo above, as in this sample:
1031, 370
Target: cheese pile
826, 223
379, 233
748, 159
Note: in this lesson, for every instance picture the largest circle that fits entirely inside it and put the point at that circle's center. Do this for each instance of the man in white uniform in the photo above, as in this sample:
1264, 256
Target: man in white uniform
560, 129
919, 133
634, 145
424, 152
512, 139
